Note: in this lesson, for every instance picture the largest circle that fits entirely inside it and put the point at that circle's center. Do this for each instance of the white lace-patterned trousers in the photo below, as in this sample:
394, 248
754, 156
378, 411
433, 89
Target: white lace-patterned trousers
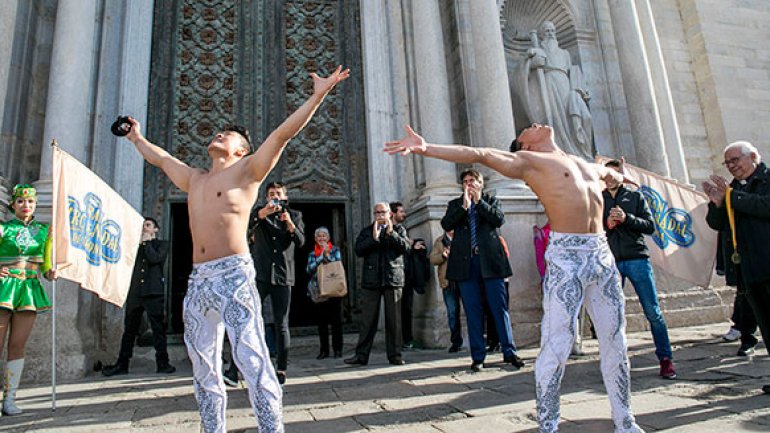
222, 296
581, 268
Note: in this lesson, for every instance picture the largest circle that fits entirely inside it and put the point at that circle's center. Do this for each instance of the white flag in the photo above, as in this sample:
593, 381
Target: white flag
97, 232
683, 245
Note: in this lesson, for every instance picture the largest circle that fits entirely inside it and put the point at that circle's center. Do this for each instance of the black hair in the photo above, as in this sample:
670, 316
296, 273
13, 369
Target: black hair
472, 172
276, 185
613, 163
242, 131
154, 221
394, 205
515, 146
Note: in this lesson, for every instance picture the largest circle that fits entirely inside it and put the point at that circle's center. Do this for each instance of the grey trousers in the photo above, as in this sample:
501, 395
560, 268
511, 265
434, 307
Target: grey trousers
370, 317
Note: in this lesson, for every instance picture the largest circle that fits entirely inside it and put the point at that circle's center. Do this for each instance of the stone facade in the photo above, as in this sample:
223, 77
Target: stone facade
680, 81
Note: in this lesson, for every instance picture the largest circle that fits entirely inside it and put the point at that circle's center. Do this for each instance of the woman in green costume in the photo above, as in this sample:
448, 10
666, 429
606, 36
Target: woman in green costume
25, 252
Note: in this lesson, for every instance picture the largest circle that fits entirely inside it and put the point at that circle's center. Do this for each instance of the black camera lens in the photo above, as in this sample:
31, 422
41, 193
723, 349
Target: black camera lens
117, 127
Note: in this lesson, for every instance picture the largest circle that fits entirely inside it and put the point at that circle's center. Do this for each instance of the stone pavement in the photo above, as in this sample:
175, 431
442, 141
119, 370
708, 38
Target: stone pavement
435, 392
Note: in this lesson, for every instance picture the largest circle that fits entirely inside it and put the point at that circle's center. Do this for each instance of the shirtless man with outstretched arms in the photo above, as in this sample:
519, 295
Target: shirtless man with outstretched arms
580, 265
221, 292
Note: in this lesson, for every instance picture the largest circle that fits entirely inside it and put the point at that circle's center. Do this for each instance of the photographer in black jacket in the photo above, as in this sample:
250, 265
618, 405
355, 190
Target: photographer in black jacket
277, 231
147, 293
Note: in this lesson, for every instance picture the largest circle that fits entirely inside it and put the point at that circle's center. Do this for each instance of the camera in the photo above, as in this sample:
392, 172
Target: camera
117, 127
284, 204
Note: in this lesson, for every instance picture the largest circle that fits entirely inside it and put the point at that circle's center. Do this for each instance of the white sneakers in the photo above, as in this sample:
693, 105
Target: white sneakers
732, 335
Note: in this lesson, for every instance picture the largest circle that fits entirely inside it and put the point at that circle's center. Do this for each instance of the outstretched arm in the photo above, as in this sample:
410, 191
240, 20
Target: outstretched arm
265, 158
609, 174
506, 163
179, 172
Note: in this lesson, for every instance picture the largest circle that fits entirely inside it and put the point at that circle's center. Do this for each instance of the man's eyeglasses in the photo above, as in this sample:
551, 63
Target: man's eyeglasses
380, 212
732, 161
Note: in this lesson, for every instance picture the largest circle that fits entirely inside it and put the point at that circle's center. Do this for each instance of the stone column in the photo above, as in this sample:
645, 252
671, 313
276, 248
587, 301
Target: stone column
487, 94
665, 100
70, 83
433, 105
386, 107
638, 87
7, 30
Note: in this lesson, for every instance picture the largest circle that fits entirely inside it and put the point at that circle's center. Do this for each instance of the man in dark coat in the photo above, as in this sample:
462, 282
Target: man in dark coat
383, 246
277, 231
477, 262
747, 254
147, 293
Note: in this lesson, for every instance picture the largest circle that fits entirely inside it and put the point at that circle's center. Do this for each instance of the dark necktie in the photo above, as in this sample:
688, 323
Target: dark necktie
473, 221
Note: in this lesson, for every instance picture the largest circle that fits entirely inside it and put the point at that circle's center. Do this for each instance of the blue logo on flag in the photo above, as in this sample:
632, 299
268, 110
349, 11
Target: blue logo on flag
672, 224
90, 232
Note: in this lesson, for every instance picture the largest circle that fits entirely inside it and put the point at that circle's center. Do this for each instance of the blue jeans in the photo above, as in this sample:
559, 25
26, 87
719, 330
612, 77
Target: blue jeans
452, 302
494, 288
639, 272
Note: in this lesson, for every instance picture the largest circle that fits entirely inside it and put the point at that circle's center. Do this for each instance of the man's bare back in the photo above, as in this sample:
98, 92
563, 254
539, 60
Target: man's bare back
569, 188
219, 200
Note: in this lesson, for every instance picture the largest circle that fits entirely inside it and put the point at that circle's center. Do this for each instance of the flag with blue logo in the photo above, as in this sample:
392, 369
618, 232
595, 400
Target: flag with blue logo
97, 233
683, 245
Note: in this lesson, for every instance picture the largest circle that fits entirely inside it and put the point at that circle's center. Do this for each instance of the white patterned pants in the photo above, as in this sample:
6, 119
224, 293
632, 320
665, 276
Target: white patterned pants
221, 296
581, 268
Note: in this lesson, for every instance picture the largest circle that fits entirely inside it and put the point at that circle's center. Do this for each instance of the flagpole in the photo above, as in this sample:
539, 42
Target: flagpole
53, 283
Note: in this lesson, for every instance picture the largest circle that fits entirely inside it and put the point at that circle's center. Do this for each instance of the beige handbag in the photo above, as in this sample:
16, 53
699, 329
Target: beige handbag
331, 280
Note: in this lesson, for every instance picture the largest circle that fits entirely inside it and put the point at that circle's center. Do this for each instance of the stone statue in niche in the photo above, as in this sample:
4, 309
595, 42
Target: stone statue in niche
551, 91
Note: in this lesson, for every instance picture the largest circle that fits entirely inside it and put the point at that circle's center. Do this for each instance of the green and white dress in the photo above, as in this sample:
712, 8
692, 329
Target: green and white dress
24, 243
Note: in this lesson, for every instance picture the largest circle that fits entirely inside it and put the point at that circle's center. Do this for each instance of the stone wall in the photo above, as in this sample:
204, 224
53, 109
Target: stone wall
731, 66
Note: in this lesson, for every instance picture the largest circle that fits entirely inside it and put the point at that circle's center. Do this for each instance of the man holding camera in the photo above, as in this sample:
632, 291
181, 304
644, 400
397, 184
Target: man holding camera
146, 293
277, 230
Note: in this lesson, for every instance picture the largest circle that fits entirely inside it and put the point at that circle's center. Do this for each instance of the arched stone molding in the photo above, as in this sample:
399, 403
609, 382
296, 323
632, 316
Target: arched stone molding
518, 17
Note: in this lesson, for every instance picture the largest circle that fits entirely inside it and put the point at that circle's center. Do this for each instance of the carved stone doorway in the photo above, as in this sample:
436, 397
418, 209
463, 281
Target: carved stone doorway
216, 62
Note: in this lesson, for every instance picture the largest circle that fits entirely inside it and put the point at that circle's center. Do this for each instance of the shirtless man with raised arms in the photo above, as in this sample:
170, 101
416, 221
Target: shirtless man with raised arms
580, 265
222, 294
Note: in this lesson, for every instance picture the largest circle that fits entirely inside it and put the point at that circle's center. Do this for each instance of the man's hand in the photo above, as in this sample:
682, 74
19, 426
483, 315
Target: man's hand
618, 215
322, 86
376, 230
466, 198
4, 272
445, 252
389, 227
269, 209
419, 245
285, 217
412, 143
135, 133
716, 189
146, 237
475, 194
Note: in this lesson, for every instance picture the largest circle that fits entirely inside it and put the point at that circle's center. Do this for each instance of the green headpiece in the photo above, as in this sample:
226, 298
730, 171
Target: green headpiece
22, 190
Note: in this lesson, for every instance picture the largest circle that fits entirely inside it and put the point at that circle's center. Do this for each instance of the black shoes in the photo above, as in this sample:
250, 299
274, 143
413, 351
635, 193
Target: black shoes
477, 367
165, 368
338, 354
515, 361
396, 360
230, 376
281, 377
746, 349
455, 348
322, 355
494, 347
119, 368
355, 360
766, 389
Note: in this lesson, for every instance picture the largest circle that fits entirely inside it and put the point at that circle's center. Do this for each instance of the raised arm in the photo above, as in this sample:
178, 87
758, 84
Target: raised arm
506, 163
179, 172
266, 157
607, 175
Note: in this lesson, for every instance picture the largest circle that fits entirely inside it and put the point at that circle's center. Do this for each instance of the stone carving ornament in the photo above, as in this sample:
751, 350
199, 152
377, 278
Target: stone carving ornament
551, 91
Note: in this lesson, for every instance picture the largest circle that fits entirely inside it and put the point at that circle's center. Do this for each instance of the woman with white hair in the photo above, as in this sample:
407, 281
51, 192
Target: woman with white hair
327, 309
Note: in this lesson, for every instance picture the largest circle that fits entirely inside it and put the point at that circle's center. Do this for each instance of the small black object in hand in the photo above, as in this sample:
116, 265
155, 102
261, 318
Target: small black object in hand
117, 127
